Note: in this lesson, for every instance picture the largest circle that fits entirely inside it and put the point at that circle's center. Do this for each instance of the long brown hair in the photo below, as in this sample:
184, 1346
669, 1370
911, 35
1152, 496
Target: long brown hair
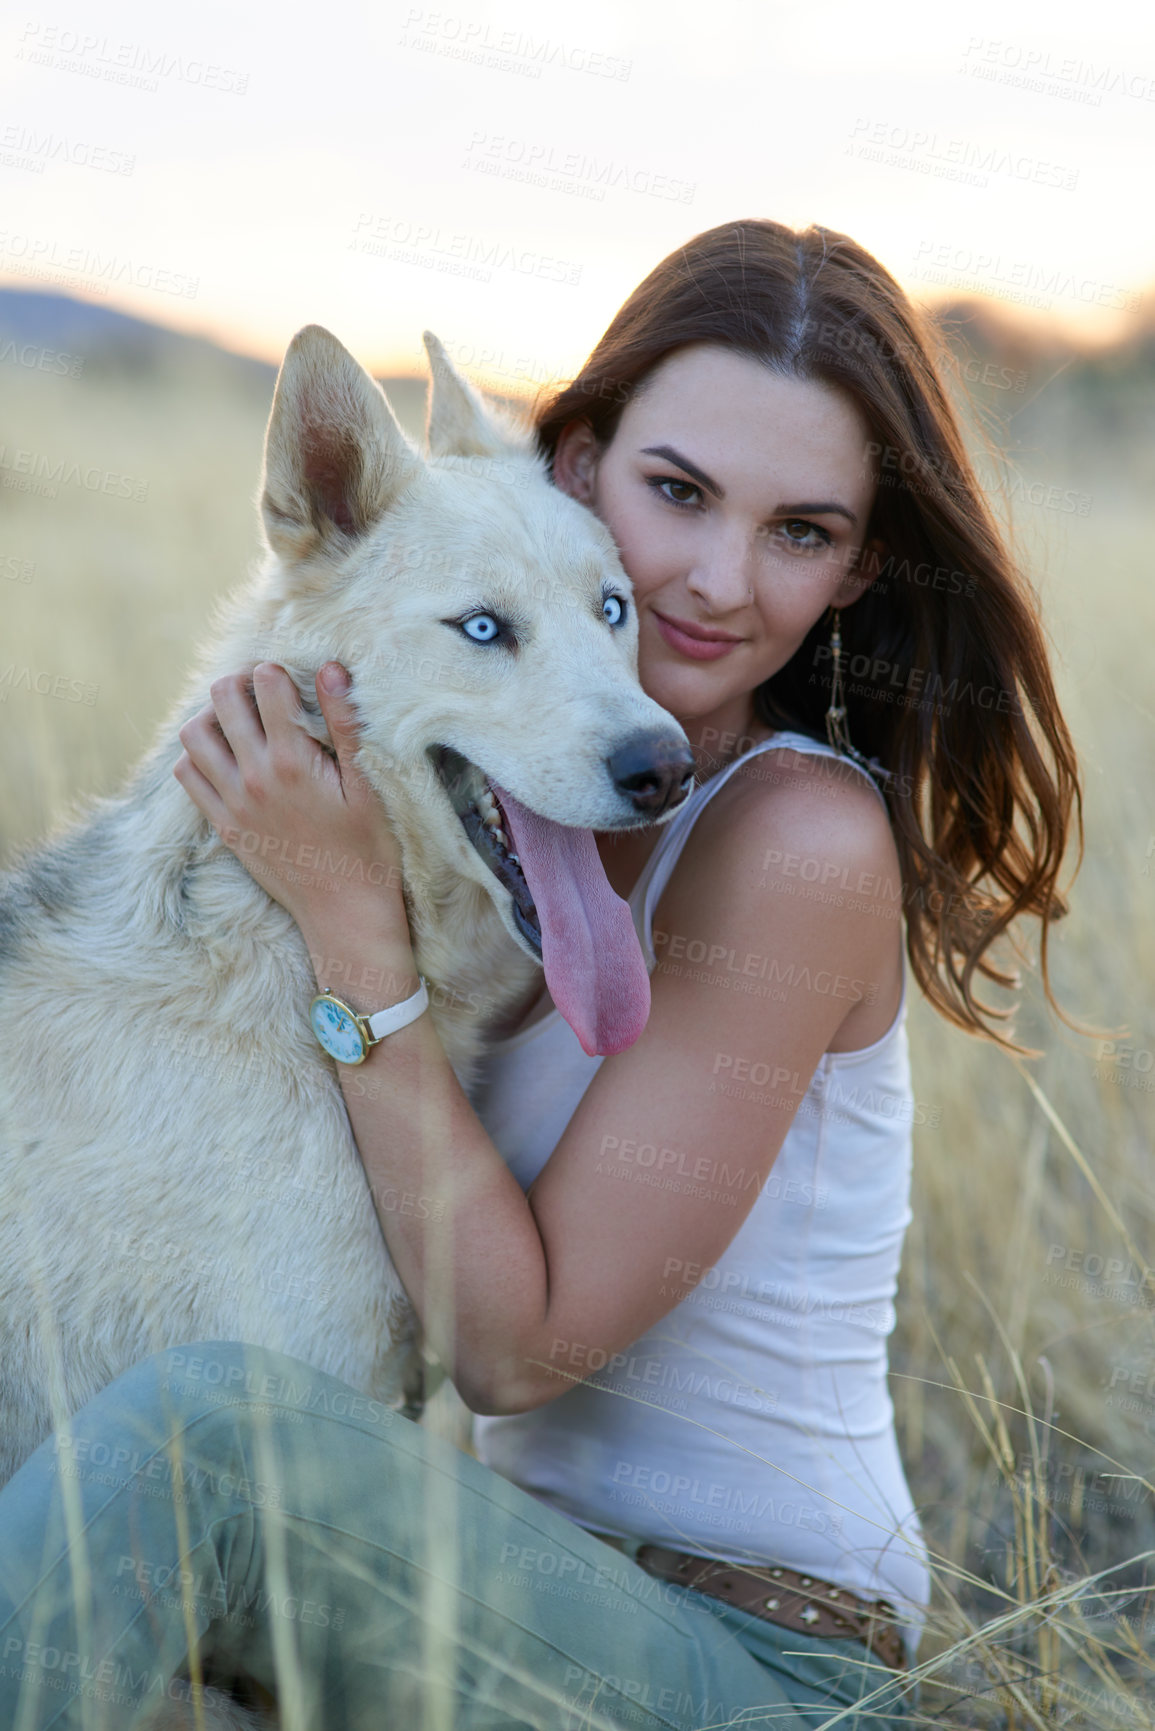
944, 656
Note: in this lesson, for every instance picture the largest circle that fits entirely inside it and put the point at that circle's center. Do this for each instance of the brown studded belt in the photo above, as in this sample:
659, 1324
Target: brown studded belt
783, 1596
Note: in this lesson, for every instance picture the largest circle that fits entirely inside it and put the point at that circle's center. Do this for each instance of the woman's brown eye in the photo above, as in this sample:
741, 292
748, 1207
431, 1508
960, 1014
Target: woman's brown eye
666, 485
806, 537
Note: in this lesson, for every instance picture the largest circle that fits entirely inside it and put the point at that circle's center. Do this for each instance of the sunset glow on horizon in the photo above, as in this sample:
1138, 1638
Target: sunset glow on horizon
506, 175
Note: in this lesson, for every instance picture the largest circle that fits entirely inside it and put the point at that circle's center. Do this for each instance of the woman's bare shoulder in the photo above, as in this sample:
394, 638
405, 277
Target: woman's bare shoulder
799, 851
788, 814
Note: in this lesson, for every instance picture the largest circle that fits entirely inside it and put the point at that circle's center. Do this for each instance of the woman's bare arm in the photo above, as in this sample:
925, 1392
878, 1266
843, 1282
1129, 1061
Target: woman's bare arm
517, 1292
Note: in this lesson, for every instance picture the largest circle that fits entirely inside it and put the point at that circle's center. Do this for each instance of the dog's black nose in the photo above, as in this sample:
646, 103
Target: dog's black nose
654, 771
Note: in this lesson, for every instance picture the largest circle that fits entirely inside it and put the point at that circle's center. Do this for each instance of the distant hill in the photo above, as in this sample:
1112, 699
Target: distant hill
84, 329
1104, 398
107, 340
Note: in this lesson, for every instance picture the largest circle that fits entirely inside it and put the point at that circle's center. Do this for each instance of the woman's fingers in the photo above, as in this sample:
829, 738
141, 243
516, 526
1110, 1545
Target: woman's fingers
361, 798
201, 791
291, 751
248, 744
239, 718
280, 802
209, 751
250, 736
343, 723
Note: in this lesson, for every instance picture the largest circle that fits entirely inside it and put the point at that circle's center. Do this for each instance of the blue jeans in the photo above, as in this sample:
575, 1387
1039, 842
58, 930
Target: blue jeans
222, 1509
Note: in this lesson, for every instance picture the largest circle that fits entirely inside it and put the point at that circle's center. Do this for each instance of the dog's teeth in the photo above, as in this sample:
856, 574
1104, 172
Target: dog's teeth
487, 808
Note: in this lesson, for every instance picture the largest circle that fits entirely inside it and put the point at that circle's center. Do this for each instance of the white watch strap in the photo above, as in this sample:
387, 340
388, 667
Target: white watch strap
399, 1015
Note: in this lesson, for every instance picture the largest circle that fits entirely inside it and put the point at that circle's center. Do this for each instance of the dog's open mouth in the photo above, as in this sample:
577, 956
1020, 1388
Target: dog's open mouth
562, 904
473, 799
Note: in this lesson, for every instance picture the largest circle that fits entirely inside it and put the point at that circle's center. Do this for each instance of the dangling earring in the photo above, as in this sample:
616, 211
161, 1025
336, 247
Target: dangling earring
837, 733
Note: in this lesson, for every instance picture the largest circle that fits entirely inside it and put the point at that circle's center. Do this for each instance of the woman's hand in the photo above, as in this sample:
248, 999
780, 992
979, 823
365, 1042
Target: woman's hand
312, 832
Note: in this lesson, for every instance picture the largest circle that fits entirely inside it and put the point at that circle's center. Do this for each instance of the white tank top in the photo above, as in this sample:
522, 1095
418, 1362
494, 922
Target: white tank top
753, 1422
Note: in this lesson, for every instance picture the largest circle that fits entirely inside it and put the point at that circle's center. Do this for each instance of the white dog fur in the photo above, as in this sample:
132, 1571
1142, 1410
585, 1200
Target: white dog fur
176, 1162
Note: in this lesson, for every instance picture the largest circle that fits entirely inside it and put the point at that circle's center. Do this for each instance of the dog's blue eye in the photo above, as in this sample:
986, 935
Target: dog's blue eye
614, 609
482, 628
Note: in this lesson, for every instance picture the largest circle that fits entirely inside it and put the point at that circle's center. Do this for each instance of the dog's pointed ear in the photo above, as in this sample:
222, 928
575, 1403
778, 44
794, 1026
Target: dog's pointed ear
335, 458
460, 424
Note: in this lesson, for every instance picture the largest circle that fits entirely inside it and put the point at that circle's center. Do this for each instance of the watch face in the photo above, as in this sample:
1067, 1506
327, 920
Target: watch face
337, 1031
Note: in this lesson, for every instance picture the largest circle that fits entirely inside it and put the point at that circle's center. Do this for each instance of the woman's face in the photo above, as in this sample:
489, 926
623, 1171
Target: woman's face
738, 500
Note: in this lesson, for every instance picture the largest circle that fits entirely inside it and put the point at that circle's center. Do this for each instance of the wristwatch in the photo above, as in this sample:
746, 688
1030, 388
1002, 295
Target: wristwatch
348, 1036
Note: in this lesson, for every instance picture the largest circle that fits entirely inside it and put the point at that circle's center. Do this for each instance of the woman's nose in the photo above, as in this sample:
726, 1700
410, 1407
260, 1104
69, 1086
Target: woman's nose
723, 576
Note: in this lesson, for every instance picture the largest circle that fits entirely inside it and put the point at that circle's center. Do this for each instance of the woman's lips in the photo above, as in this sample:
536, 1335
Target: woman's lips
697, 648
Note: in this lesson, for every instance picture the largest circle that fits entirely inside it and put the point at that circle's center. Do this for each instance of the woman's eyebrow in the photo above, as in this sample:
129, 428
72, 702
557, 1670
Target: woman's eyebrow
829, 507
672, 456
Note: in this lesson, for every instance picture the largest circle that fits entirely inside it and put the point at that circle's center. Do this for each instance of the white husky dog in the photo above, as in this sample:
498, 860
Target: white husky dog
176, 1162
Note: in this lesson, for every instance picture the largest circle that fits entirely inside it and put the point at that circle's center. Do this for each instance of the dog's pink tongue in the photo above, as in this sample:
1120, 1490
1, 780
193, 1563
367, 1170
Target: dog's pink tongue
594, 966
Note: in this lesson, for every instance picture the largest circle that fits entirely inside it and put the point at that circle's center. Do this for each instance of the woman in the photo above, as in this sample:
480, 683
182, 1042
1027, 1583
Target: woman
664, 1281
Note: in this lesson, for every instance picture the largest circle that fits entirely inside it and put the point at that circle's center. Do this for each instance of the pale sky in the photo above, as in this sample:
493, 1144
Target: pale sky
506, 173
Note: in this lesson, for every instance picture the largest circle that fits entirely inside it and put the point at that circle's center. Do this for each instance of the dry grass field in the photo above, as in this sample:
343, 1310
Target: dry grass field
1024, 1362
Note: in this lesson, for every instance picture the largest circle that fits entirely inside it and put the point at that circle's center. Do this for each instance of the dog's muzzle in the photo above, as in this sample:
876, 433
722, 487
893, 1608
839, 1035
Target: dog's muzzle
654, 771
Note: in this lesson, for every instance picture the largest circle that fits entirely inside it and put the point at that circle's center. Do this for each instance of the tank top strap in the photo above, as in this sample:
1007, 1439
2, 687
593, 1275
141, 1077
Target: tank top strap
655, 875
